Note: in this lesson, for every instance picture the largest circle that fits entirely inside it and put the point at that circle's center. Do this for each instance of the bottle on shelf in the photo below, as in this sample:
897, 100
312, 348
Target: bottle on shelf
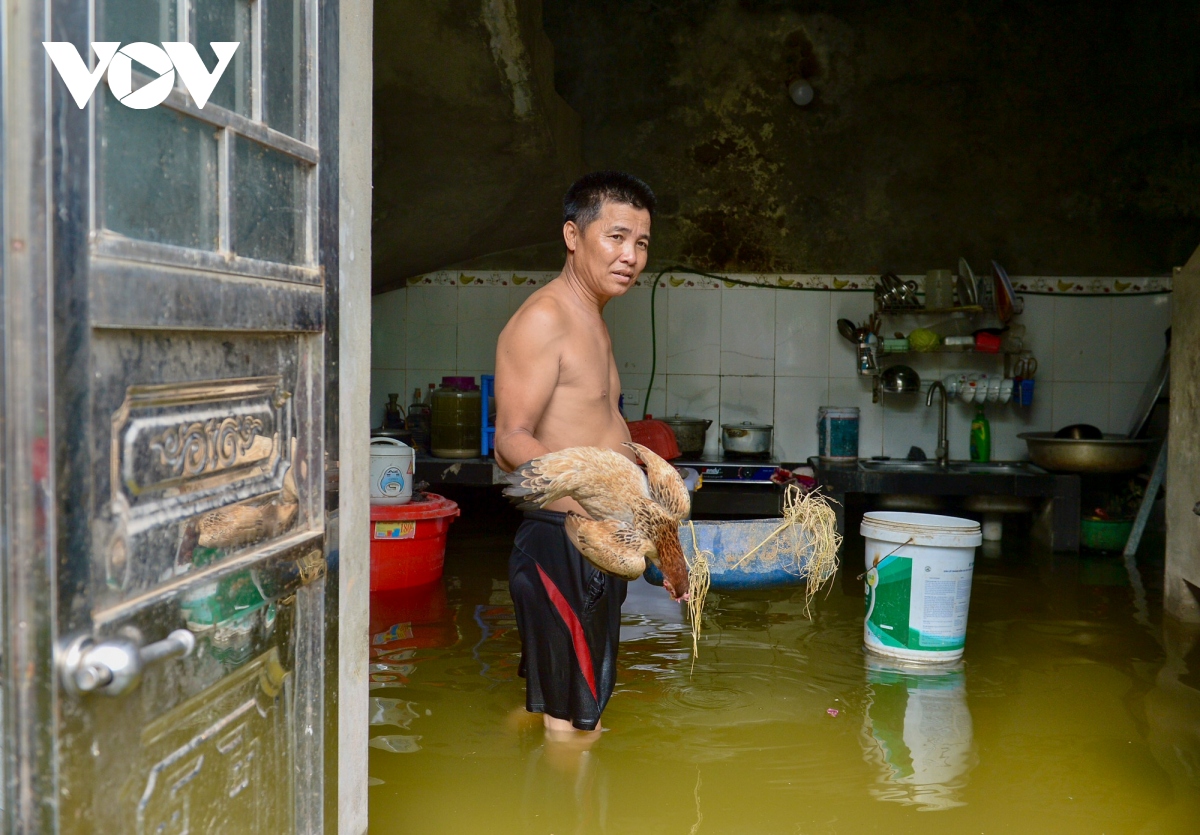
418, 421
981, 437
393, 413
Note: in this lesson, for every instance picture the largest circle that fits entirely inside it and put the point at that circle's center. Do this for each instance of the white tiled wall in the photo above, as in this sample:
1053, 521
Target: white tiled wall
775, 356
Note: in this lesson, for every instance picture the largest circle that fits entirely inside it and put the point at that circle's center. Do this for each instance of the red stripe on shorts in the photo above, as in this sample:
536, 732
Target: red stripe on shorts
582, 651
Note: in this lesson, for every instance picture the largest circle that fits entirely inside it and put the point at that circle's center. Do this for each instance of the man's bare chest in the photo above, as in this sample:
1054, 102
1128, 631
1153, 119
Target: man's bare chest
588, 364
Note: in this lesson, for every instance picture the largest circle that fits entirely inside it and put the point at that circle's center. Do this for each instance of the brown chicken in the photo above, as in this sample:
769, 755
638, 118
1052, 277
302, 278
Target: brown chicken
635, 516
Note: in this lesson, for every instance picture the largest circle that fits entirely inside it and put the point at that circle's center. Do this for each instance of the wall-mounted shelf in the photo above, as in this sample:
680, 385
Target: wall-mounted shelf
978, 316
950, 350
969, 310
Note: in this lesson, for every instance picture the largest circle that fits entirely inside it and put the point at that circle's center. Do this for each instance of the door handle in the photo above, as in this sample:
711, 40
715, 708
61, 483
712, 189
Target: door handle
115, 666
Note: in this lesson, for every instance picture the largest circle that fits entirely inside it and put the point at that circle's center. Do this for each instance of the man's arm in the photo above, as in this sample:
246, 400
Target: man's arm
527, 365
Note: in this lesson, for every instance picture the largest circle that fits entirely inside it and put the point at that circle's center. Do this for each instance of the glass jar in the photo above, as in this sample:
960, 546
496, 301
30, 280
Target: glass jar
456, 419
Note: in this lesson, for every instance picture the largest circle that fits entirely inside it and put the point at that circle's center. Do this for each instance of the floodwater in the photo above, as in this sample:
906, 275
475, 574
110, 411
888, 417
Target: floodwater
1065, 716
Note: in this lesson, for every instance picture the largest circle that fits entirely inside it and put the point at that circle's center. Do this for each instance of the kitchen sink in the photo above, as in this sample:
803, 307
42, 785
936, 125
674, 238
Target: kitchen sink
1001, 467
904, 466
955, 467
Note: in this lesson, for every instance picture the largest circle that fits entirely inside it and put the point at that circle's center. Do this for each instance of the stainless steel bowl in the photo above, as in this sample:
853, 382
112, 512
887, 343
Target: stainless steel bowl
1111, 454
689, 433
900, 379
747, 438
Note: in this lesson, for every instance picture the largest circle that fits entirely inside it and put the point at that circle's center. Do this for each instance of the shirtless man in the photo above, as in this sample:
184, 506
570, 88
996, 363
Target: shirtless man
556, 387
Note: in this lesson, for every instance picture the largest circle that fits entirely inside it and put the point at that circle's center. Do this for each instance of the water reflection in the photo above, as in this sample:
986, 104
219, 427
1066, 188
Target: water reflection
565, 789
917, 731
1173, 717
404, 621
235, 614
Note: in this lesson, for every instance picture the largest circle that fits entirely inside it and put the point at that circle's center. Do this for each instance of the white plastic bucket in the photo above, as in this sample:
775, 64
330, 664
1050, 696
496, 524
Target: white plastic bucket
919, 568
391, 471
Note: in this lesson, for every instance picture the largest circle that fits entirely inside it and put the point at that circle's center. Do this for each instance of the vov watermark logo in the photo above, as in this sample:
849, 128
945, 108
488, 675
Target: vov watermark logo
172, 57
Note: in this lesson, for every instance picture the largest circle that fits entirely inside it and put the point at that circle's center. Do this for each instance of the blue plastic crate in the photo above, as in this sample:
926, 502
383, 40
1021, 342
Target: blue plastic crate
487, 386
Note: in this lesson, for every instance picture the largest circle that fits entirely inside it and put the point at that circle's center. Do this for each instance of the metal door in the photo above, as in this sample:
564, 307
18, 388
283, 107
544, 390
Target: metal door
164, 410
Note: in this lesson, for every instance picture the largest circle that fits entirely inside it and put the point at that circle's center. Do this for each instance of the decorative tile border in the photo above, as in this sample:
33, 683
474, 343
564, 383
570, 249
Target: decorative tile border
1034, 285
484, 278
1071, 285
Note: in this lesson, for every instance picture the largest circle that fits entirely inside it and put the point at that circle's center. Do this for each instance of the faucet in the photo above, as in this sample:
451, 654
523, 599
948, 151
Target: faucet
943, 445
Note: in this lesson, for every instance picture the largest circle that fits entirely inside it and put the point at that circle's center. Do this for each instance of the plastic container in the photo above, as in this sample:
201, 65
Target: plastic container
656, 435
408, 542
918, 578
837, 433
456, 419
729, 540
391, 471
981, 437
1104, 534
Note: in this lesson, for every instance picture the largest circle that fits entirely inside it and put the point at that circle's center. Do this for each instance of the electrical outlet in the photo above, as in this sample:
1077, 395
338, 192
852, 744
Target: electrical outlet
632, 398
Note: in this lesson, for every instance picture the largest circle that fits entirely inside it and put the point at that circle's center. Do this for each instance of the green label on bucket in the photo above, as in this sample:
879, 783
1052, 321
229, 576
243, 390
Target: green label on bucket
889, 588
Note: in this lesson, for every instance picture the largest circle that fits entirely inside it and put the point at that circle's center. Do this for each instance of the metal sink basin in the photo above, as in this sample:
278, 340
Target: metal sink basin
954, 467
903, 466
1002, 467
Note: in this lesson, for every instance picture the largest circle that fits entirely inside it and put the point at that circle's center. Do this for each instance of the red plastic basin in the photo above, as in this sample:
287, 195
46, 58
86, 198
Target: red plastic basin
408, 541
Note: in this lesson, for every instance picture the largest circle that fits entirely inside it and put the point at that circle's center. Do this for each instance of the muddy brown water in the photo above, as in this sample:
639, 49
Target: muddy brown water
1065, 716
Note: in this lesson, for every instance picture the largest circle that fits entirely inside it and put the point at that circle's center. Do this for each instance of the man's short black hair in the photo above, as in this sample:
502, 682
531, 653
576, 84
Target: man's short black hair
584, 198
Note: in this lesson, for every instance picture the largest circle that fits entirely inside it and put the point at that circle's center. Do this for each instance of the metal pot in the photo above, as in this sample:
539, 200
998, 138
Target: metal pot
1112, 454
747, 438
689, 433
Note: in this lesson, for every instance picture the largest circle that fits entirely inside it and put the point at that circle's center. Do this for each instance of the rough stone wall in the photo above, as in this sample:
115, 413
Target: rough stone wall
1058, 138
473, 146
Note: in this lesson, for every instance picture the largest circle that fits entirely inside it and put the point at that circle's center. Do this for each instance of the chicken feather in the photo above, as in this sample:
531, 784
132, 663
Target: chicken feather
603, 481
665, 485
610, 545
634, 516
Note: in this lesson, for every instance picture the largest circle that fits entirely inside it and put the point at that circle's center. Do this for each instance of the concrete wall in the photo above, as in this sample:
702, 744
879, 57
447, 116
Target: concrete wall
1054, 137
1183, 465
733, 354
473, 146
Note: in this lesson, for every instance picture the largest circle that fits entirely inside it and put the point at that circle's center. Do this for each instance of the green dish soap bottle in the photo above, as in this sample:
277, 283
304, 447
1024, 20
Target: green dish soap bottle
981, 438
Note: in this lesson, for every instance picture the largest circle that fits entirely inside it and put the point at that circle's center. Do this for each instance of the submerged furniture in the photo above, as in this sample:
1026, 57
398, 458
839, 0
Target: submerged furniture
958, 478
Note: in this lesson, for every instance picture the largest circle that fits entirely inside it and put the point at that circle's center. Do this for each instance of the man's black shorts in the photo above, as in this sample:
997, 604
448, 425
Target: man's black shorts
569, 617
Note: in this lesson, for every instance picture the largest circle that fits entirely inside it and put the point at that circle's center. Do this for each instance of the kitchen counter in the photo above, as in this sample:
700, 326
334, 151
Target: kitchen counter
479, 472
959, 478
730, 488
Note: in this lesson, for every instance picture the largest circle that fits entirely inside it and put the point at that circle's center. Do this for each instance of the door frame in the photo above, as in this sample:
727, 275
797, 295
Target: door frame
43, 246
355, 28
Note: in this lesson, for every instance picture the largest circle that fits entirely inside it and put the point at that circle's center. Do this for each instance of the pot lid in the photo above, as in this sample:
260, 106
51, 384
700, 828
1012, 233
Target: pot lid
745, 424
422, 506
682, 419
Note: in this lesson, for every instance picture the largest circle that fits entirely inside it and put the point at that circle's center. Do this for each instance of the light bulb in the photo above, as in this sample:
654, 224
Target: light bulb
801, 92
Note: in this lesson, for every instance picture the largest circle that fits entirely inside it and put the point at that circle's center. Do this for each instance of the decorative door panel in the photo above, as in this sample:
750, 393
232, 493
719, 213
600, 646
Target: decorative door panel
164, 661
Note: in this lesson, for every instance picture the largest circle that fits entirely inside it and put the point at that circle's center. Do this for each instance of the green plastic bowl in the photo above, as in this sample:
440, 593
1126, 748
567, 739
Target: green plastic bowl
1100, 535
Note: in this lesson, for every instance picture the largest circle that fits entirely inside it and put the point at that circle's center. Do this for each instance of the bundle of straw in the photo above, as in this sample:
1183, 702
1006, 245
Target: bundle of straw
805, 542
699, 579
811, 514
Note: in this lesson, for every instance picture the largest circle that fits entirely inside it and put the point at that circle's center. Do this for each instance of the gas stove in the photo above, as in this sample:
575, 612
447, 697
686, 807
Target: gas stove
731, 470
